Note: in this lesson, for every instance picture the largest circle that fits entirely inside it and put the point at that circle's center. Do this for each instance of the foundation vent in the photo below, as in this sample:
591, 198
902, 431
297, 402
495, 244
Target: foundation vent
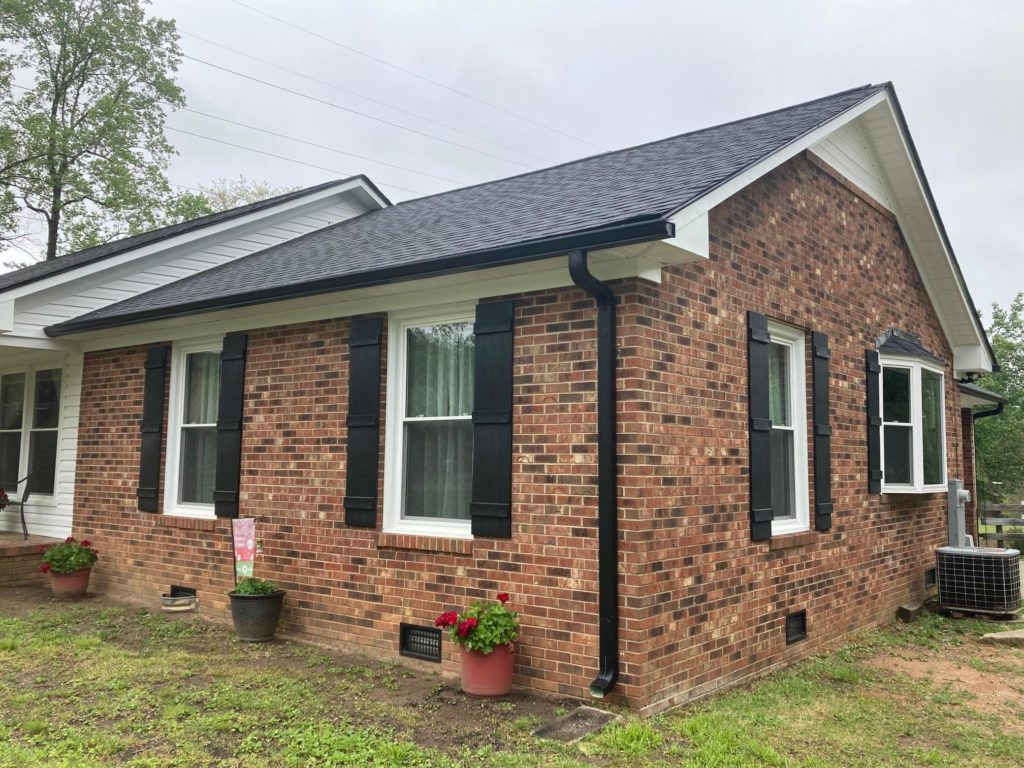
419, 642
796, 627
979, 579
930, 578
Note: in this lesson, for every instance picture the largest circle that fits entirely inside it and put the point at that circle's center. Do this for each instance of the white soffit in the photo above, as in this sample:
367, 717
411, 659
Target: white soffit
872, 140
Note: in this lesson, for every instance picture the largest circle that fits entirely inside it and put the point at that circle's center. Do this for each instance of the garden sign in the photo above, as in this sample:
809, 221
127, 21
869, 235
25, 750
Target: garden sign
243, 532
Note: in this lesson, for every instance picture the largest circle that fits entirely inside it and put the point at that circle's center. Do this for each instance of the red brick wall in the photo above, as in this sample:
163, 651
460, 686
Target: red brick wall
801, 247
701, 605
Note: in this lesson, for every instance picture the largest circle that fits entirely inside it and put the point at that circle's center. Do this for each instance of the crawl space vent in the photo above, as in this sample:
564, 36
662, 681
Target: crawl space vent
980, 579
796, 627
419, 642
930, 578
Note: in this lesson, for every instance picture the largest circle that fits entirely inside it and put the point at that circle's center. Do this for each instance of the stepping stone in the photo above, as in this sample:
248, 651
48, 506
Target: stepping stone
572, 727
1014, 638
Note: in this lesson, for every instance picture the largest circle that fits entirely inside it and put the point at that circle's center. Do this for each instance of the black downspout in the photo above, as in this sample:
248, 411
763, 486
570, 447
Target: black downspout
607, 514
985, 414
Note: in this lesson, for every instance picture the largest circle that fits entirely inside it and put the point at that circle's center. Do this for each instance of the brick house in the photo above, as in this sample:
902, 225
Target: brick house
694, 404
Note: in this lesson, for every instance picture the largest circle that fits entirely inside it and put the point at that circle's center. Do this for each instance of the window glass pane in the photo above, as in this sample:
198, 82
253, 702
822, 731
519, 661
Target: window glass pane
202, 387
42, 460
783, 491
931, 427
198, 464
47, 405
438, 468
896, 395
10, 457
12, 400
899, 468
778, 385
439, 364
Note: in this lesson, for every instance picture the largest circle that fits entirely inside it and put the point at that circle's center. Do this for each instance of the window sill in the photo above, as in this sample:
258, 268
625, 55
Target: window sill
791, 540
901, 491
187, 523
420, 543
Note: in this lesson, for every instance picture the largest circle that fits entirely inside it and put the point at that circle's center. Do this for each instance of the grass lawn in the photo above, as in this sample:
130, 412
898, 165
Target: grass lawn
93, 684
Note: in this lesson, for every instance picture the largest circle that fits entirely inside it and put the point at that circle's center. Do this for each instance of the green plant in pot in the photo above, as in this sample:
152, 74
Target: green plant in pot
256, 609
69, 565
485, 633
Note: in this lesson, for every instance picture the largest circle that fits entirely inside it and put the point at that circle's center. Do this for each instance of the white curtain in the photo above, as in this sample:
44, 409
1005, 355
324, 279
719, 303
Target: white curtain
438, 444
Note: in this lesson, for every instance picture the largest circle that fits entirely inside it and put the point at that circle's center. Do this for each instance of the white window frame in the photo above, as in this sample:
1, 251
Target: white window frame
29, 404
915, 365
394, 448
175, 413
794, 340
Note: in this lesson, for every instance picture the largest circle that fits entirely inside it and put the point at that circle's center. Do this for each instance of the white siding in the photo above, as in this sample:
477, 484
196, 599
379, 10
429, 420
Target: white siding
849, 151
33, 313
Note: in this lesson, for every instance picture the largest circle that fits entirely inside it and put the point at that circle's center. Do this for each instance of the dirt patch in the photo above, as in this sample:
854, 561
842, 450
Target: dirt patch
972, 670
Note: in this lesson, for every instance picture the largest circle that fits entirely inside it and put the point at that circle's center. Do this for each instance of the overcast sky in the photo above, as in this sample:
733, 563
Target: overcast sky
600, 75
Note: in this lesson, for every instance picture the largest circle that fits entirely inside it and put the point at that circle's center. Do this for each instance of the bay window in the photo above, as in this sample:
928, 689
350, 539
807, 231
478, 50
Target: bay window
913, 426
429, 455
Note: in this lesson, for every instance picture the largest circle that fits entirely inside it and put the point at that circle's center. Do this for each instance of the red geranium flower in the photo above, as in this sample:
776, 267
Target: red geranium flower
503, 598
466, 627
86, 543
69, 540
446, 619
45, 567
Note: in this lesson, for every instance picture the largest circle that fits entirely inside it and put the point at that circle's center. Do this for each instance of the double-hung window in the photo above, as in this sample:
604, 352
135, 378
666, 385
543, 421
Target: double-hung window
913, 426
192, 433
787, 403
29, 427
429, 455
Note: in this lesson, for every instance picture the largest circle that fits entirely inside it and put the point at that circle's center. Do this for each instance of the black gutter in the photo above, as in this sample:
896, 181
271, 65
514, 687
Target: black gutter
985, 414
642, 230
607, 513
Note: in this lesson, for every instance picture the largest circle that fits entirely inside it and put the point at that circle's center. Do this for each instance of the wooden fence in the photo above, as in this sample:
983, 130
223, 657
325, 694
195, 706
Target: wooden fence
1002, 525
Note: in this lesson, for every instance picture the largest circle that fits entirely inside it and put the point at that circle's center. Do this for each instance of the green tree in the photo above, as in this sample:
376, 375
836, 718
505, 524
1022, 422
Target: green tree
86, 141
1000, 439
222, 194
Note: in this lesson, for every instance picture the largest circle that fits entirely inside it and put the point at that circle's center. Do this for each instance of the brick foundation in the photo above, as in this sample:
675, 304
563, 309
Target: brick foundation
702, 606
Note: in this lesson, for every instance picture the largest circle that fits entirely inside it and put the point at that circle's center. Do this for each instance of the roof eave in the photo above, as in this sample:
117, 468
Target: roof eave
623, 233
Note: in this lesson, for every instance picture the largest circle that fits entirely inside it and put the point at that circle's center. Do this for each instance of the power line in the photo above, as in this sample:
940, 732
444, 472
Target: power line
416, 75
320, 146
353, 111
288, 159
370, 99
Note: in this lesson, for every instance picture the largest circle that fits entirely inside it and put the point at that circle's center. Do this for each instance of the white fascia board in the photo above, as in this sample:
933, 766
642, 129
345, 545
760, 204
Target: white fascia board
456, 288
980, 360
186, 238
22, 342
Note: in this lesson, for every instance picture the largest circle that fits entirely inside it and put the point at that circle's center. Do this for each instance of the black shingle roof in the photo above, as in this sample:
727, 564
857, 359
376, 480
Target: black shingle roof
897, 342
43, 269
463, 228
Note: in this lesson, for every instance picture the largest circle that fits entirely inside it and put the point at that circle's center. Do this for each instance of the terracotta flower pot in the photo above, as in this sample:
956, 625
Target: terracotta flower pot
487, 674
65, 585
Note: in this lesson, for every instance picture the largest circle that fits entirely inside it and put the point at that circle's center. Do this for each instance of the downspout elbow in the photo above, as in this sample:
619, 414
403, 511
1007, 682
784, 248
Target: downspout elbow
985, 414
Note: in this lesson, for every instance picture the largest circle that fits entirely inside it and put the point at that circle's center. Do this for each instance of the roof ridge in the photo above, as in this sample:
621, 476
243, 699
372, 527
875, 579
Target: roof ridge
875, 88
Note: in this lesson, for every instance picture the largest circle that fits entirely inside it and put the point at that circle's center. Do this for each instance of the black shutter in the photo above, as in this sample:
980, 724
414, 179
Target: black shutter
760, 428
363, 422
491, 505
874, 369
152, 428
229, 425
822, 433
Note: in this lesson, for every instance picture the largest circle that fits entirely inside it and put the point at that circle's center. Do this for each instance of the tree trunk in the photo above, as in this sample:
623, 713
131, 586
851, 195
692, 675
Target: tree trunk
53, 224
